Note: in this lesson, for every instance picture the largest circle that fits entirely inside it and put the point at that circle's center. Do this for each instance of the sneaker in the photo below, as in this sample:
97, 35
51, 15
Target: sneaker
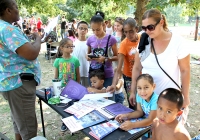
63, 127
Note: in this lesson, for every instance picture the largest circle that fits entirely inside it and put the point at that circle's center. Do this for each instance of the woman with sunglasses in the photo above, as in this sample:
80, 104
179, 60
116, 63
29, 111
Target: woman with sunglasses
171, 54
126, 55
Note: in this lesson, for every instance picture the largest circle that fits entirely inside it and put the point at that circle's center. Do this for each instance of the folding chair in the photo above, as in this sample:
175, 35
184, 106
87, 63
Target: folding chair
54, 44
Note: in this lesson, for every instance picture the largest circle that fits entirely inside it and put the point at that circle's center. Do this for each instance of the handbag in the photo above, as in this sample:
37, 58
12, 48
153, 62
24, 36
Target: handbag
105, 54
161, 67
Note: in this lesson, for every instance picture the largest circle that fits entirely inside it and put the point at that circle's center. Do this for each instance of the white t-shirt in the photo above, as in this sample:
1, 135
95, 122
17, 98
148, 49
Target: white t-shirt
109, 30
169, 62
80, 52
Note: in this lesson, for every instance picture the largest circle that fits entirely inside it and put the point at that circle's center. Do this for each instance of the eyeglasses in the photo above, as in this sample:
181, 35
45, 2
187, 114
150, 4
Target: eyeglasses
69, 47
130, 32
150, 27
81, 28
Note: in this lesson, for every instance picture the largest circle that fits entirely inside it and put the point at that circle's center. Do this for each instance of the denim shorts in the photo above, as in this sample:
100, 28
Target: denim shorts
119, 98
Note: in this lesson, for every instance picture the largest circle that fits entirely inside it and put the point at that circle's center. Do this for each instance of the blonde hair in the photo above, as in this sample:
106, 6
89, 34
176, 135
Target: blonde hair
156, 16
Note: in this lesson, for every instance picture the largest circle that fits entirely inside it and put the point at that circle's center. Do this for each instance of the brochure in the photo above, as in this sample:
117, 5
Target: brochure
74, 124
135, 130
81, 108
101, 130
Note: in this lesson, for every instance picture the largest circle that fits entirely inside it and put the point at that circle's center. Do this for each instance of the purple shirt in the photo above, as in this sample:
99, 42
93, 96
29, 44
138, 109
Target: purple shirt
95, 43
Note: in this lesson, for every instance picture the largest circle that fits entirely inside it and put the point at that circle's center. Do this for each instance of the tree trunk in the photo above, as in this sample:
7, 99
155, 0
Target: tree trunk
141, 8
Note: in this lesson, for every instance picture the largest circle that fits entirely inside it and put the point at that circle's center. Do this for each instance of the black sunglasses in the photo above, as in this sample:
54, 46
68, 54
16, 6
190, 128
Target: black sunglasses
150, 27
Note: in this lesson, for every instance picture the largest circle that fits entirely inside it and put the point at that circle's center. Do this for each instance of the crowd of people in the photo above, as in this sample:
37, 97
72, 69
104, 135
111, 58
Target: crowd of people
152, 66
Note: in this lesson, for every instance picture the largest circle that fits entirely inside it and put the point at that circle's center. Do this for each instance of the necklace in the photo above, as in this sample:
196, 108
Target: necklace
98, 44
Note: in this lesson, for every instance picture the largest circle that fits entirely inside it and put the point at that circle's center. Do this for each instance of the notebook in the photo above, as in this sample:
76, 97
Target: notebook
101, 130
74, 124
135, 130
113, 110
74, 90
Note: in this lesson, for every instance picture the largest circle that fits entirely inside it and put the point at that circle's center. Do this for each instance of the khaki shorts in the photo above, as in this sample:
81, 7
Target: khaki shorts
22, 105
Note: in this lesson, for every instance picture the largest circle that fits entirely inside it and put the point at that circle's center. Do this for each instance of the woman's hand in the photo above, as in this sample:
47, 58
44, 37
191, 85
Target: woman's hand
186, 102
111, 89
132, 99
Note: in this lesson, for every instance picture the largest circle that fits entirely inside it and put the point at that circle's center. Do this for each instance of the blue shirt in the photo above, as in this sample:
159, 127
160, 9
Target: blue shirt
11, 64
148, 106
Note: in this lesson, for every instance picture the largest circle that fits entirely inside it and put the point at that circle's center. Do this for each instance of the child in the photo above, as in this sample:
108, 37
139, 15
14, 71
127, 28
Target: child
119, 95
97, 80
71, 35
166, 125
146, 105
80, 51
97, 46
67, 66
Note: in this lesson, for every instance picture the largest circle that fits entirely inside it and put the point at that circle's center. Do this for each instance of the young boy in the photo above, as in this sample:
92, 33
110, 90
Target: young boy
80, 52
166, 125
97, 79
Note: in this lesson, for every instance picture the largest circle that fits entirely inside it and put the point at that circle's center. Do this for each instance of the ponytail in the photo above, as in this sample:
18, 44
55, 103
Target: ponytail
165, 26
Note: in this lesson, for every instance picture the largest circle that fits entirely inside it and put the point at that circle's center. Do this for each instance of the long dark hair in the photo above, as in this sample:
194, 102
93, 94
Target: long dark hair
71, 33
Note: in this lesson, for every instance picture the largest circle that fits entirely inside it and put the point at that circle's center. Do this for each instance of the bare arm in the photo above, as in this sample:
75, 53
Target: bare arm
127, 125
184, 65
117, 73
56, 73
30, 51
94, 90
136, 114
137, 68
153, 137
89, 51
78, 79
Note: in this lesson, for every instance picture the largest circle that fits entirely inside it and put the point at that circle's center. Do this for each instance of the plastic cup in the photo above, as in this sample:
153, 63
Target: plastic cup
57, 87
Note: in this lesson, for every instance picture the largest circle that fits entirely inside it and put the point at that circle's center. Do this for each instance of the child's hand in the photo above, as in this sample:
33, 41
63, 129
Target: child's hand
127, 125
90, 89
121, 118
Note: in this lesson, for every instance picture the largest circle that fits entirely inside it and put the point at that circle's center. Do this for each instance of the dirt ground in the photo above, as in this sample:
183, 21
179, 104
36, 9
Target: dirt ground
53, 120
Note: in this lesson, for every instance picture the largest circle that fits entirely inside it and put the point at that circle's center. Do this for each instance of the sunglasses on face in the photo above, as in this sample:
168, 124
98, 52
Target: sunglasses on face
69, 47
81, 28
150, 27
